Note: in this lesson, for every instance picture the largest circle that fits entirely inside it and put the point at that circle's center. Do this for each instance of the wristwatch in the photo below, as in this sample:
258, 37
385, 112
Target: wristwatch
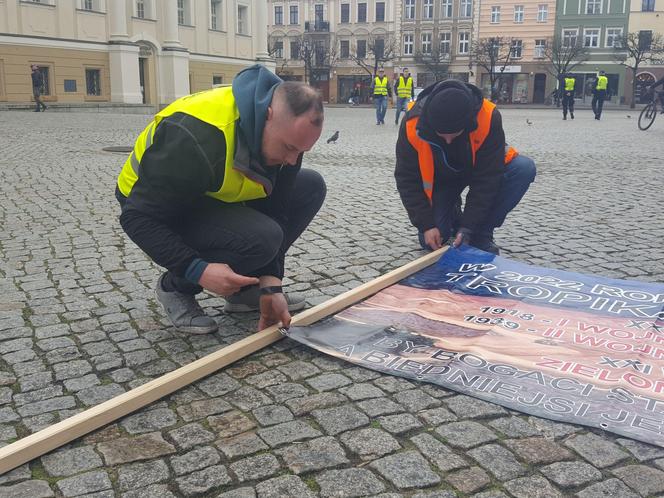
273, 289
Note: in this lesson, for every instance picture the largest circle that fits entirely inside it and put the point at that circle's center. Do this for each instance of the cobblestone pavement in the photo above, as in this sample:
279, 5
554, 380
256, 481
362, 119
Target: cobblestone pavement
79, 325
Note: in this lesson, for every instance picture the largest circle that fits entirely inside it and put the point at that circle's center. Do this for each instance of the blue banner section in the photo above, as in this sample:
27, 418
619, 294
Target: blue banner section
470, 271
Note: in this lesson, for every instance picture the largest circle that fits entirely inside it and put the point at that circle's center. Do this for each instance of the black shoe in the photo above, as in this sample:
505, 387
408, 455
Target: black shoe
36, 110
571, 115
485, 243
564, 118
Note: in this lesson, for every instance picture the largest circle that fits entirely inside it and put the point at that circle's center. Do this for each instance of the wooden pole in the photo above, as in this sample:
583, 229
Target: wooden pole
54, 436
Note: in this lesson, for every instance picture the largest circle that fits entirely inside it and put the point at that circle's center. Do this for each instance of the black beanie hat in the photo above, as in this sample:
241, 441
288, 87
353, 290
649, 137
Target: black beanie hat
449, 111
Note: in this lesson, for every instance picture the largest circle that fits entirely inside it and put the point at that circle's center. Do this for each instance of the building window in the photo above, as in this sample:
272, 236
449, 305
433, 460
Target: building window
140, 9
427, 11
518, 13
279, 15
408, 44
243, 20
380, 11
318, 14
446, 8
495, 14
361, 12
569, 37
93, 82
466, 8
279, 49
593, 6
409, 7
294, 50
345, 12
184, 13
645, 39
540, 47
46, 80
426, 43
379, 47
344, 49
648, 6
445, 42
517, 49
88, 5
542, 13
464, 42
361, 49
614, 37
293, 17
215, 14
591, 37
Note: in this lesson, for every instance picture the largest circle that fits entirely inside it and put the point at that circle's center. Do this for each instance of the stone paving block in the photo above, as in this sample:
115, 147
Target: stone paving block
370, 443
571, 474
230, 424
48, 405
149, 421
416, 399
468, 480
34, 381
437, 453
597, 450
393, 384
190, 435
241, 445
304, 405
272, 414
607, 489
80, 383
245, 369
436, 416
197, 410
550, 428
289, 390
379, 406
98, 394
340, 419
270, 378
195, 460
81, 484
467, 407
466, 434
138, 475
203, 480
255, 467
514, 427
288, 432
644, 480
68, 462
297, 370
399, 424
317, 454
348, 483
241, 493
125, 450
20, 473
435, 494
641, 451
279, 487
27, 489
155, 491
358, 392
328, 381
490, 494
532, 487
538, 450
248, 398
406, 470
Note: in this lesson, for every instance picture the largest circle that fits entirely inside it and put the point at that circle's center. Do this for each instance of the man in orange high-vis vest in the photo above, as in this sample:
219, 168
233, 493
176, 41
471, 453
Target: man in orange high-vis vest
452, 139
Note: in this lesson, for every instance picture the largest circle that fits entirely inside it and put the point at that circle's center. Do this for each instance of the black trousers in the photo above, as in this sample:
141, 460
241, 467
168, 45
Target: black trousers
598, 102
568, 103
246, 236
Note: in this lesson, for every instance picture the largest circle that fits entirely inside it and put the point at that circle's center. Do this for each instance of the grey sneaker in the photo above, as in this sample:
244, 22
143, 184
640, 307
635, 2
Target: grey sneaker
184, 312
248, 300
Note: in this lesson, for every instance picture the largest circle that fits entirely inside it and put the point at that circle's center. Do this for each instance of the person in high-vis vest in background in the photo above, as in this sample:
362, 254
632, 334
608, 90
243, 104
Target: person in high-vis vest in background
569, 82
215, 193
599, 94
405, 92
380, 91
453, 138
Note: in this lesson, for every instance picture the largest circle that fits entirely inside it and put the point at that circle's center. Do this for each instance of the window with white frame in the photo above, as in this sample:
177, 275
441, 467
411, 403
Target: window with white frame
215, 14
345, 12
92, 5
93, 82
517, 49
278, 15
542, 12
591, 37
427, 9
184, 13
409, 6
464, 42
569, 37
140, 9
614, 37
362, 12
279, 49
466, 8
344, 49
593, 6
446, 8
445, 42
293, 17
361, 49
426, 43
144, 9
294, 50
242, 19
540, 48
518, 13
647, 5
408, 44
380, 11
495, 14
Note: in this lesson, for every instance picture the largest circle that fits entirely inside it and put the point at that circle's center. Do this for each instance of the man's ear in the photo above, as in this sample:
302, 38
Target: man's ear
270, 113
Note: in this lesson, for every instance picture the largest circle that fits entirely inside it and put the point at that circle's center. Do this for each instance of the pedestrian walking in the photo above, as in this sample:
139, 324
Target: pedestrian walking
569, 83
405, 91
37, 88
380, 92
599, 94
214, 191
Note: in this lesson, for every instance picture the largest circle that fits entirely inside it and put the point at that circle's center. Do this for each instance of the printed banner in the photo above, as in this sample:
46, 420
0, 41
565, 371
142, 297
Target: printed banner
560, 345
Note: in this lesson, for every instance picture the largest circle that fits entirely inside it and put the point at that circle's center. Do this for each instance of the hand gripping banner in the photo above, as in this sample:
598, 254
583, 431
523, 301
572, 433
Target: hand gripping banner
555, 344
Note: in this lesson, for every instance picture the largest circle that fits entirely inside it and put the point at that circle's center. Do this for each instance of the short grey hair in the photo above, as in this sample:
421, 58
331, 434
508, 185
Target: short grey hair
301, 98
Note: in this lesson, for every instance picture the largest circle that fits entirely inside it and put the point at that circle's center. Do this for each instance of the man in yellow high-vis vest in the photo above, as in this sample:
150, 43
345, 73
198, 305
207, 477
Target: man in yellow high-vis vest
405, 91
569, 83
214, 192
380, 91
599, 94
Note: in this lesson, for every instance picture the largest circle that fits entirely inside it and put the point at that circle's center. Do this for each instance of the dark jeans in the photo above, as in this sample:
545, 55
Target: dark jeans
402, 105
598, 102
36, 93
245, 236
519, 174
380, 101
568, 103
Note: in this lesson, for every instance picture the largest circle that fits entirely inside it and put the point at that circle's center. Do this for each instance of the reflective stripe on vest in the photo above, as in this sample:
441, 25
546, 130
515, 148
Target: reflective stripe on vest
477, 138
405, 88
602, 83
380, 87
569, 84
217, 108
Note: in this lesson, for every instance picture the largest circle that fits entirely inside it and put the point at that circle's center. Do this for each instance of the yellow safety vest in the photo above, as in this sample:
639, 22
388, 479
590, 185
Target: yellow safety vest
380, 86
217, 108
569, 84
602, 83
405, 87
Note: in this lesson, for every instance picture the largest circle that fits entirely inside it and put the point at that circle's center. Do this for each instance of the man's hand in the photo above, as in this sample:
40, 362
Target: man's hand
433, 239
220, 279
274, 309
462, 237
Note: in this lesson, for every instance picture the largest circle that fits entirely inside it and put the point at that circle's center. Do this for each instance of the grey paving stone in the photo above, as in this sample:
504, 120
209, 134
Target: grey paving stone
218, 385
240, 493
328, 381
317, 454
27, 489
607, 489
416, 400
437, 453
48, 405
538, 450
297, 370
255, 467
80, 383
641, 451
272, 414
357, 392
71, 461
597, 450
20, 473
467, 407
195, 460
245, 369
203, 480
498, 461
286, 391
468, 480
230, 424
340, 419
370, 443
435, 494
399, 424
288, 432
406, 470
279, 487
571, 474
348, 483
307, 404
138, 475
241, 445
190, 435
98, 394
81, 484
125, 450
200, 409
465, 434
644, 480
33, 381
514, 427
549, 428
149, 421
437, 416
532, 487
379, 406
490, 494
248, 398
393, 384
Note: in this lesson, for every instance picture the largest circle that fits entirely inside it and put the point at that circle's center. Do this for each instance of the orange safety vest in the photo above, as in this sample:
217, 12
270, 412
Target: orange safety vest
477, 137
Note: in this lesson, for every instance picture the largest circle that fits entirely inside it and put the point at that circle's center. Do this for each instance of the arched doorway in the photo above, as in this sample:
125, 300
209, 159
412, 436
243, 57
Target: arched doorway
642, 81
147, 72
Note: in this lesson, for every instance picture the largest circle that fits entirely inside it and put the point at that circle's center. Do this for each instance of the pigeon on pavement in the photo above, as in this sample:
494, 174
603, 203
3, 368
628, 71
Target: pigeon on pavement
333, 139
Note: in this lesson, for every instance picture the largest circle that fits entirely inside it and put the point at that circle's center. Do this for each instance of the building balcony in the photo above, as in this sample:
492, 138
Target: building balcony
317, 26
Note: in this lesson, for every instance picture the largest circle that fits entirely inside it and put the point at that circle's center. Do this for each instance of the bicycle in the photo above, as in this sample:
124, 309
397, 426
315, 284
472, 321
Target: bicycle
649, 112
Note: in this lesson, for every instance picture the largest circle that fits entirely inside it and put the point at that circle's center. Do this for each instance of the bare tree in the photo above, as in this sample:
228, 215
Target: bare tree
564, 54
436, 62
493, 55
633, 49
379, 50
319, 54
275, 49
